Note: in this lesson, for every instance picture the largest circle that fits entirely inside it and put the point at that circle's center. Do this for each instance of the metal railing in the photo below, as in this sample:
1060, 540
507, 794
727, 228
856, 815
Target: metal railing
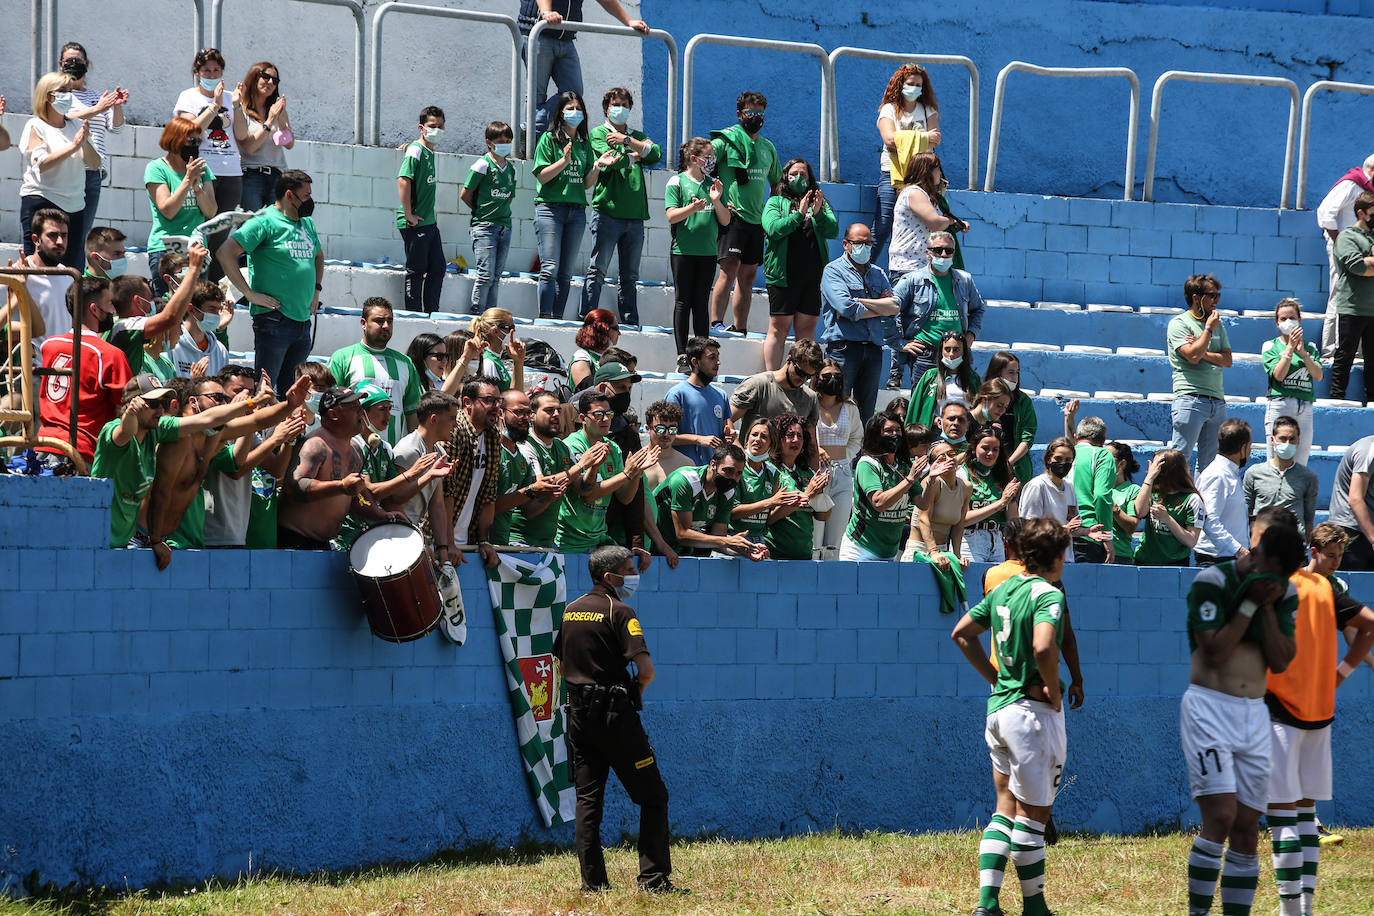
353, 6
1132, 127
375, 91
766, 44
925, 60
1305, 133
531, 90
1233, 79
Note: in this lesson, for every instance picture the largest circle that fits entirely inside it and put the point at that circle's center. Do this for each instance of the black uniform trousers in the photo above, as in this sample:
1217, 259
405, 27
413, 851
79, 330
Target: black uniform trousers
593, 750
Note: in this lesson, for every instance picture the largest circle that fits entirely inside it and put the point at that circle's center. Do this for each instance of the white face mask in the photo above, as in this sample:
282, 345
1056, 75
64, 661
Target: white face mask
62, 102
911, 93
954, 363
1285, 450
434, 134
1288, 326
1012, 383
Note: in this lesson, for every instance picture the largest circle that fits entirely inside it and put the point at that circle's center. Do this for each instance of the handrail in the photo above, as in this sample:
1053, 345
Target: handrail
199, 26
1132, 128
356, 8
930, 59
50, 37
1233, 79
1304, 135
766, 44
36, 39
375, 90
532, 54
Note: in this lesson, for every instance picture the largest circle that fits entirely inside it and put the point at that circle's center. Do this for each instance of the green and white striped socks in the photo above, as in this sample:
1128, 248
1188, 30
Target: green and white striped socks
1311, 852
1204, 867
1028, 854
992, 860
1283, 832
1239, 878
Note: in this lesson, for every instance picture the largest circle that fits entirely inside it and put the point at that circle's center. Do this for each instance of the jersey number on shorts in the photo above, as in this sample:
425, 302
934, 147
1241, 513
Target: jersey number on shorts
1202, 760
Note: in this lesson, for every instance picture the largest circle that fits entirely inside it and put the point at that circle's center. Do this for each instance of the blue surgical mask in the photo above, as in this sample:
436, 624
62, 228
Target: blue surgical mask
1285, 450
503, 149
209, 322
617, 114
573, 117
860, 254
627, 588
208, 84
312, 403
911, 93
62, 102
952, 364
118, 268
434, 379
942, 264
959, 441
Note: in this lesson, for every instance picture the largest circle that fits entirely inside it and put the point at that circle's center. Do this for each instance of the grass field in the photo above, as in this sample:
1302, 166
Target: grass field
817, 874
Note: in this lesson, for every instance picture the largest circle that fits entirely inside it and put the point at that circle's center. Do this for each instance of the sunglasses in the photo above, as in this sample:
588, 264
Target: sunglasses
601, 414
941, 251
829, 375
271, 78
436, 354
220, 398
665, 430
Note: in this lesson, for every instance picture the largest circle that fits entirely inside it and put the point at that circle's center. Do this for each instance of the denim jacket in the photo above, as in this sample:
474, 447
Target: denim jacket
841, 284
917, 296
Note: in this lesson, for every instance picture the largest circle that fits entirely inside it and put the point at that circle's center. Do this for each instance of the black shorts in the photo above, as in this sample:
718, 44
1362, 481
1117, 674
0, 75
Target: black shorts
742, 241
794, 299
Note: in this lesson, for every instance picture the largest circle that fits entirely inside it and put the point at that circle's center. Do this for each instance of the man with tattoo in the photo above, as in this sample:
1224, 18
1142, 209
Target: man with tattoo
327, 478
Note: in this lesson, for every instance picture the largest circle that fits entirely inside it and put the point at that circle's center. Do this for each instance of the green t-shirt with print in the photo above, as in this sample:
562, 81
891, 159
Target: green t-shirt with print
746, 186
379, 465
984, 491
130, 469
494, 367
545, 461
188, 217
190, 534
1123, 498
1215, 598
128, 336
567, 187
1158, 546
878, 531
793, 536
515, 473
418, 166
944, 317
697, 234
620, 190
684, 491
1298, 382
281, 260
582, 524
755, 486
1012, 612
393, 372
493, 188
1202, 378
262, 513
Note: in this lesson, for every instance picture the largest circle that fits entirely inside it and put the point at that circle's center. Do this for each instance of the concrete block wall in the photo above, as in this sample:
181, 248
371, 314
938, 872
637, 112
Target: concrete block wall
235, 709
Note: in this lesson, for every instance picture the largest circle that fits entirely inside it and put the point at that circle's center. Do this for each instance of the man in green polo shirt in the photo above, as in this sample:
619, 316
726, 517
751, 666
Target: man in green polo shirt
488, 191
692, 507
1353, 291
392, 370
1198, 351
582, 509
126, 451
286, 273
415, 183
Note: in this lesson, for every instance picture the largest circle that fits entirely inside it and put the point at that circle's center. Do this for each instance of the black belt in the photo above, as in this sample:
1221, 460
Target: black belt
987, 526
262, 169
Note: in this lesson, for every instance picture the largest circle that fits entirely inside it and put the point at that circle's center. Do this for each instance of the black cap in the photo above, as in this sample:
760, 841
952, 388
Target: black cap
338, 395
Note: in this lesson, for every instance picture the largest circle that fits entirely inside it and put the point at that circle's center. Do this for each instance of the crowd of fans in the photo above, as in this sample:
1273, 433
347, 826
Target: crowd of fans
477, 442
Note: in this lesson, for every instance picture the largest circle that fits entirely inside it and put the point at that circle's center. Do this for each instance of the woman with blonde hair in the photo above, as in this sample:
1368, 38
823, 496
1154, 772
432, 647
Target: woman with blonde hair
496, 329
57, 152
938, 519
1169, 505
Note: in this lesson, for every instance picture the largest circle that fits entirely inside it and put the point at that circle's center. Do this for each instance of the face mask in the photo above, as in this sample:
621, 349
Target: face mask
74, 67
942, 264
190, 150
859, 254
627, 587
891, 443
1013, 384
573, 117
799, 184
1288, 326
312, 403
911, 93
952, 364
370, 428
305, 208
107, 323
620, 403
208, 84
503, 149
617, 114
1060, 468
832, 386
752, 125
980, 468
118, 267
435, 380
708, 164
434, 134
1285, 450
62, 102
209, 322
951, 440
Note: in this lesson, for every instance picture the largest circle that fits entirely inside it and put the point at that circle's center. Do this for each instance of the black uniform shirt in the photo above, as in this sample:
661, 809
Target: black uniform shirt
599, 634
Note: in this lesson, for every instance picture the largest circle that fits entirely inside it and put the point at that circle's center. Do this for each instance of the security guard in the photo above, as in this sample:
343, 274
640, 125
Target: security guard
598, 636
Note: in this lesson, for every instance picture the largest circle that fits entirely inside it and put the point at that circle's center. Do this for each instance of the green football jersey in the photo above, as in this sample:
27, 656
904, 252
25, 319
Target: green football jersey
683, 491
1216, 595
418, 166
1012, 611
393, 372
793, 536
755, 486
582, 524
515, 473
878, 531
545, 461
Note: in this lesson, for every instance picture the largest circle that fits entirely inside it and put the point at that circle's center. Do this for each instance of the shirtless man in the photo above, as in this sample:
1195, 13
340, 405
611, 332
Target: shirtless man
327, 477
183, 463
1241, 616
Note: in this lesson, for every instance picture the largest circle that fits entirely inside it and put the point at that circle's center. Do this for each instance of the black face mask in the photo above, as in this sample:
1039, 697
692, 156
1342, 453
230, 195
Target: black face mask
305, 208
106, 325
754, 124
620, 403
1061, 468
830, 385
74, 67
190, 150
892, 443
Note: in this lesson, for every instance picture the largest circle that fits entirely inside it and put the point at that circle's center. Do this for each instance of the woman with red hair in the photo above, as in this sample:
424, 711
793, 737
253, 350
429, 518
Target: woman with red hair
908, 104
600, 331
181, 191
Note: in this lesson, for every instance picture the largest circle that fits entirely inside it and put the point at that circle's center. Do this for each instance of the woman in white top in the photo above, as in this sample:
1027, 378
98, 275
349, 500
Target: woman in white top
263, 151
57, 151
103, 111
908, 104
918, 214
1051, 494
840, 434
225, 126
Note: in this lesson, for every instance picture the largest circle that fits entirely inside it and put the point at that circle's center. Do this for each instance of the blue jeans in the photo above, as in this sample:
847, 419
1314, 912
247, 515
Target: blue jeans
558, 232
425, 268
259, 188
1197, 420
558, 61
882, 216
862, 363
490, 245
280, 345
610, 235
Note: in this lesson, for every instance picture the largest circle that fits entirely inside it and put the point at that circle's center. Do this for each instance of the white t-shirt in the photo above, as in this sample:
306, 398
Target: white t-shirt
479, 473
219, 149
409, 450
50, 297
1040, 497
912, 120
228, 503
909, 234
65, 183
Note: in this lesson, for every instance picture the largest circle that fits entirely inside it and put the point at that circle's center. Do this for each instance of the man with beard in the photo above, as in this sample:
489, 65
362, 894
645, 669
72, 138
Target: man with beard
518, 485
582, 511
1198, 351
475, 449
549, 458
391, 369
49, 293
705, 409
327, 477
104, 373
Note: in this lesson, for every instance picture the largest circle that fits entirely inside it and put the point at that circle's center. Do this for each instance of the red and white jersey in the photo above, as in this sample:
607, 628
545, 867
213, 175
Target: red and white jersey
104, 373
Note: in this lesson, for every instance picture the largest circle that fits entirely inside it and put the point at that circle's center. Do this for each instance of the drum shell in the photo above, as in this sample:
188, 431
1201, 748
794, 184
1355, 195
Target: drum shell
404, 606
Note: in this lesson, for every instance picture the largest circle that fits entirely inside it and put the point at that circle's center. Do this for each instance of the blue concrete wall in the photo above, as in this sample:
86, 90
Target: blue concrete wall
1218, 144
163, 727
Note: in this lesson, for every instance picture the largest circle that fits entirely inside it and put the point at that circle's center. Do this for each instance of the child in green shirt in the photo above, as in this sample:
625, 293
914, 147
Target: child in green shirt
488, 190
425, 264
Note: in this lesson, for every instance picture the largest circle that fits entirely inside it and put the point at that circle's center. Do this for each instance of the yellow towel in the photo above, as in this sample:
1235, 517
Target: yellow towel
908, 143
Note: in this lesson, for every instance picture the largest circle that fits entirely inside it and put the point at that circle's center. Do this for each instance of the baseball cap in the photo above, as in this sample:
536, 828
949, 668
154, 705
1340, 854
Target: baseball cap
613, 372
146, 386
338, 395
371, 393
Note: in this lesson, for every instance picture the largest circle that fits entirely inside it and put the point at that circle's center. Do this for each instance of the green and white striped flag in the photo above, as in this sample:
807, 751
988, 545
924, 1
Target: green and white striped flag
527, 600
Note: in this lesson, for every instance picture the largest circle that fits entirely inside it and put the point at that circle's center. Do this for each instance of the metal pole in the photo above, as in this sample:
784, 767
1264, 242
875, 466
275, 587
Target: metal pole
995, 137
1304, 136
50, 34
36, 46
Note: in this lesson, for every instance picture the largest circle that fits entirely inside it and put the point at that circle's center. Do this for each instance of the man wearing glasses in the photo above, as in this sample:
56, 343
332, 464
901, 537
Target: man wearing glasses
858, 318
582, 510
1198, 351
934, 302
768, 394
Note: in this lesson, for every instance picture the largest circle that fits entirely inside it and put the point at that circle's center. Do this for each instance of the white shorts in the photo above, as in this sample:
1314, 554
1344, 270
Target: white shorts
1027, 742
849, 550
1301, 763
1226, 745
